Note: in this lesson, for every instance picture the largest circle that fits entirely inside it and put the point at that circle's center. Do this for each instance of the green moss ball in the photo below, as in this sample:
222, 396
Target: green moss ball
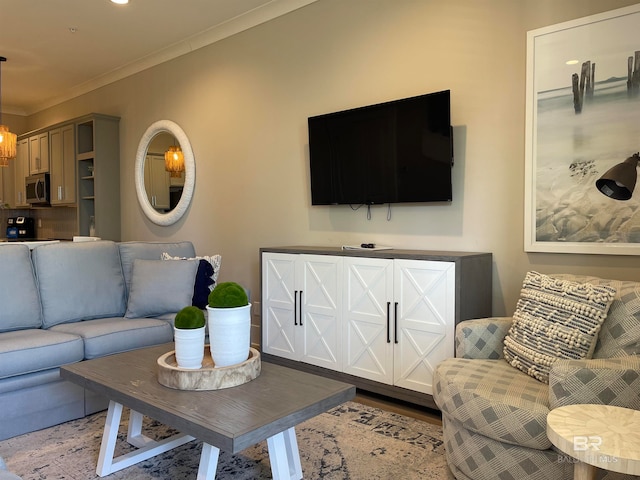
190, 317
228, 295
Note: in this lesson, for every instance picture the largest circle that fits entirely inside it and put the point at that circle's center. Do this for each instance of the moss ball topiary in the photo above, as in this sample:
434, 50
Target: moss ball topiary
228, 295
189, 317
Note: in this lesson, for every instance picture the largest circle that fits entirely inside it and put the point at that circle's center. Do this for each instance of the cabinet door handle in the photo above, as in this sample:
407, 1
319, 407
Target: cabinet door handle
59, 192
395, 322
295, 308
300, 307
388, 322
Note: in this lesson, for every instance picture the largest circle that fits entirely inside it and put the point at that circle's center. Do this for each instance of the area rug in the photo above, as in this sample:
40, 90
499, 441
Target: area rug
350, 442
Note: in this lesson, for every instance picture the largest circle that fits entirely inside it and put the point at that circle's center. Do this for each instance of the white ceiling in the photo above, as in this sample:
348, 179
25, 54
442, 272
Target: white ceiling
58, 49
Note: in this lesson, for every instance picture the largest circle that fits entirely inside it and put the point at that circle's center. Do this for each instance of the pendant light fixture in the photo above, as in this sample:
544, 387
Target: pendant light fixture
7, 139
619, 181
174, 161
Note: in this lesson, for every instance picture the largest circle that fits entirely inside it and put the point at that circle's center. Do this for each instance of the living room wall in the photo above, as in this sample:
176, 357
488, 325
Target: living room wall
244, 102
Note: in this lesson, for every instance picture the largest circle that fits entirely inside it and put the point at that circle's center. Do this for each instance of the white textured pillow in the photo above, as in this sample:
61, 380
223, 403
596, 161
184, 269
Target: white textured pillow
159, 287
214, 260
555, 319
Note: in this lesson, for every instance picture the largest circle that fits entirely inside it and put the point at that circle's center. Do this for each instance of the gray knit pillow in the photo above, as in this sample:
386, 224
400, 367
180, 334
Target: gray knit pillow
555, 319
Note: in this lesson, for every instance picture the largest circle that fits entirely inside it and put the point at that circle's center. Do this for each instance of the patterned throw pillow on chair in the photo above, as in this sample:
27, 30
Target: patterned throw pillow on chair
555, 319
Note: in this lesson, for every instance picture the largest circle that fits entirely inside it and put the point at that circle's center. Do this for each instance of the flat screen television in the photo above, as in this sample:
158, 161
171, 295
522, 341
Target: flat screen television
394, 152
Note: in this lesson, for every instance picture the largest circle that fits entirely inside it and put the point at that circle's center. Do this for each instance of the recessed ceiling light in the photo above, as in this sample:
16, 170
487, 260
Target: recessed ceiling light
120, 2
572, 62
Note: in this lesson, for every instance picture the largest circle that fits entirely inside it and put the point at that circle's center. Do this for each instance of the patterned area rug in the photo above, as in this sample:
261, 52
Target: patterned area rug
350, 442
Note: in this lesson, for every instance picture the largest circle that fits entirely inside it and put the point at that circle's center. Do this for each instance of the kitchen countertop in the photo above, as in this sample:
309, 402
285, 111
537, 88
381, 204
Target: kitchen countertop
29, 243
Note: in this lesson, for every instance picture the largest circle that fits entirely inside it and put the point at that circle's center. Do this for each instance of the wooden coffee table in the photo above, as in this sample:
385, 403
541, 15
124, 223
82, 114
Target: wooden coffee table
601, 436
231, 419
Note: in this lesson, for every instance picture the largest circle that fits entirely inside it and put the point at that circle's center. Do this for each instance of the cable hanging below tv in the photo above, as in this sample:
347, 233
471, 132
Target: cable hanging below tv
394, 152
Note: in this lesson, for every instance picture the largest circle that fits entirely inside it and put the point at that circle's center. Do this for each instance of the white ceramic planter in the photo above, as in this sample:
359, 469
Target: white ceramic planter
229, 334
189, 347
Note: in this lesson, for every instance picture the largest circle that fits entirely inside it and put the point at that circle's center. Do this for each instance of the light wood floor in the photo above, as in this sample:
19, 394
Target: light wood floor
397, 406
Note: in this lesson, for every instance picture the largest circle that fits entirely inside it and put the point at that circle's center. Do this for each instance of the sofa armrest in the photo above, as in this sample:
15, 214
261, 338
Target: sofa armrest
604, 381
482, 337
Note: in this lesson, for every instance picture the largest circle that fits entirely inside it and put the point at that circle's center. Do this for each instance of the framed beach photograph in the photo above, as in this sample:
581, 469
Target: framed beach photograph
583, 119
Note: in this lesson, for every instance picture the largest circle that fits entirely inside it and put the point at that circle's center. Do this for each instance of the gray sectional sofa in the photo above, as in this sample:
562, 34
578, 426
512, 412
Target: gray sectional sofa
67, 302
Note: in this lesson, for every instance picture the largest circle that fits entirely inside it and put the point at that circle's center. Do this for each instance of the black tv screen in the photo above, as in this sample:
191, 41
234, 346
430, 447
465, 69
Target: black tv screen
398, 151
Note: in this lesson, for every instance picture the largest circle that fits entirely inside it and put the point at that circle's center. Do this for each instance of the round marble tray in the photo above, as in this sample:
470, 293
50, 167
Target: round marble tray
208, 377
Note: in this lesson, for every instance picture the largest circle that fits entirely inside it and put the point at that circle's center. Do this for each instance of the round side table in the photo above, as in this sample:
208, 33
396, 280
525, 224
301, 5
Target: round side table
597, 436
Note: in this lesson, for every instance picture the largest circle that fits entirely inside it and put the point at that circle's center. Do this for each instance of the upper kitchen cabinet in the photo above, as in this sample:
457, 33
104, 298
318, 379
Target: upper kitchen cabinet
98, 164
63, 165
39, 153
20, 172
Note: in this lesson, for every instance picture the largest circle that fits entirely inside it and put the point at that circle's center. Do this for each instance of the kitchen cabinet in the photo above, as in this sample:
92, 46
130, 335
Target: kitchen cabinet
98, 169
63, 165
20, 172
301, 300
39, 153
157, 182
387, 317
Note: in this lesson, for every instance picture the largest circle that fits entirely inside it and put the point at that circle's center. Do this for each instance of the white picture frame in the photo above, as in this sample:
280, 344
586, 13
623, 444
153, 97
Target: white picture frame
565, 151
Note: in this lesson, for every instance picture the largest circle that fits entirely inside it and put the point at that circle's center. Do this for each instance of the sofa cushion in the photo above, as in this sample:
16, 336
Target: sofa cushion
129, 251
27, 351
493, 399
159, 287
620, 332
79, 281
555, 319
18, 290
105, 336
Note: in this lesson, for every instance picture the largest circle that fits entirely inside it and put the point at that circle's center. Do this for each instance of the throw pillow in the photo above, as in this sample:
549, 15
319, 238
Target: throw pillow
159, 287
214, 260
555, 319
206, 277
203, 284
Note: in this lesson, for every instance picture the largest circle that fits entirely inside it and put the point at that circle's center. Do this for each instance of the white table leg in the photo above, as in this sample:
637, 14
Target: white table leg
109, 436
285, 456
149, 448
134, 433
208, 462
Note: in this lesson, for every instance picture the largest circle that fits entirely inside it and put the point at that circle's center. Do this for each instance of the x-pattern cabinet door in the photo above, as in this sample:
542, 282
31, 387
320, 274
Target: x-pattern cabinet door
398, 319
425, 292
367, 318
301, 303
279, 299
320, 298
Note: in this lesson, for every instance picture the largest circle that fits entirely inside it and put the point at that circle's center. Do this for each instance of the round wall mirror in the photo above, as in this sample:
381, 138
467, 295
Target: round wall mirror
164, 197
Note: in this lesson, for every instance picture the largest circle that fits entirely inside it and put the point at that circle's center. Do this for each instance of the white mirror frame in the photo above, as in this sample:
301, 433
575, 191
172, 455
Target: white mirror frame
174, 215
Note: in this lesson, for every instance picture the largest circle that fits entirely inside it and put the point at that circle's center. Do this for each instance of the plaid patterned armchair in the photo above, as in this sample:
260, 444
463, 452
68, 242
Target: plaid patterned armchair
494, 416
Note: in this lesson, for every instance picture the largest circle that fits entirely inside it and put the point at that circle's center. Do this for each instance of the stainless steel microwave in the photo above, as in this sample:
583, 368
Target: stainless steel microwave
38, 189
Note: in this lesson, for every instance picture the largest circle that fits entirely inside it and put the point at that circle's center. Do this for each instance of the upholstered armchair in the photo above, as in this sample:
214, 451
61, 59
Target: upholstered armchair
494, 415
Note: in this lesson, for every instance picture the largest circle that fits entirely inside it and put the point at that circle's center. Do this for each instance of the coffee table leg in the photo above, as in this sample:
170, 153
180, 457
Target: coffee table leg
208, 462
584, 471
111, 426
285, 456
148, 447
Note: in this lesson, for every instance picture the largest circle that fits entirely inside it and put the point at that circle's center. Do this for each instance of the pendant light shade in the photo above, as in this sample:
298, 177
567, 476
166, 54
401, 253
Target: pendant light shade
619, 181
7, 146
7, 139
174, 161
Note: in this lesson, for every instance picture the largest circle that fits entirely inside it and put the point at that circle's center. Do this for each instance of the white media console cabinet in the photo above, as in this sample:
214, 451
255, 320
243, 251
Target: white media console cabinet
381, 320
